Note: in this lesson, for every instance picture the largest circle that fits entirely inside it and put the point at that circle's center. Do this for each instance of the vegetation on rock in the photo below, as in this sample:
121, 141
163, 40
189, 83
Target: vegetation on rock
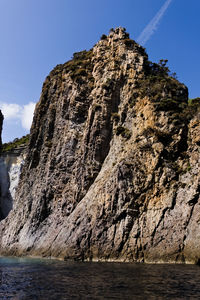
16, 143
124, 132
163, 89
80, 65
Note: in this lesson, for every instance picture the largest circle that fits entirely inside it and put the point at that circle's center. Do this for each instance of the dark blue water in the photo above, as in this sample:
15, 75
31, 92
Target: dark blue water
25, 279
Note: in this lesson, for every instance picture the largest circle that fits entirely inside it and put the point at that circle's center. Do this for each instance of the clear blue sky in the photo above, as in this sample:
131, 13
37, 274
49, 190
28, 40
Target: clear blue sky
36, 35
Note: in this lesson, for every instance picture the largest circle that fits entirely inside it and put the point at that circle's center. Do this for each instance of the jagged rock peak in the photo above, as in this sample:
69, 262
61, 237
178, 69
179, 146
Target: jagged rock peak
112, 167
116, 34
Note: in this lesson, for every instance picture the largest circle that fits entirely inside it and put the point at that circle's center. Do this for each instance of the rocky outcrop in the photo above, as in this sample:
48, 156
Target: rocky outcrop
112, 168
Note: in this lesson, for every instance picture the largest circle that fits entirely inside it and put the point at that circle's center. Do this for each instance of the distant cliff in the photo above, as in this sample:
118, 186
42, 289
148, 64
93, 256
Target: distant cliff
1, 124
113, 162
11, 160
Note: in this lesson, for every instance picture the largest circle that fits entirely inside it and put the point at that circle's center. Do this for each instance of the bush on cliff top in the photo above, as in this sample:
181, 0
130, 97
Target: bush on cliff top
192, 108
80, 65
16, 143
194, 102
162, 87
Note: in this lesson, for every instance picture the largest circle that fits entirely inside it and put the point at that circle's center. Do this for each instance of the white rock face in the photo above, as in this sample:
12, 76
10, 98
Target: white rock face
10, 169
6, 198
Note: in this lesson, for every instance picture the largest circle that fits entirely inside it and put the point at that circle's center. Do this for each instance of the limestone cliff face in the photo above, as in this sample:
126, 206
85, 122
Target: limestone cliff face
12, 158
112, 169
10, 168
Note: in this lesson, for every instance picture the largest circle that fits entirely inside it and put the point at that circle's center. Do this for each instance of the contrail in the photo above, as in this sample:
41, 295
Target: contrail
152, 26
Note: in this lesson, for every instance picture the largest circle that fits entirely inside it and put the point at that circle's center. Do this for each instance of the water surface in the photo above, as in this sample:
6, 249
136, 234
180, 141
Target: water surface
37, 279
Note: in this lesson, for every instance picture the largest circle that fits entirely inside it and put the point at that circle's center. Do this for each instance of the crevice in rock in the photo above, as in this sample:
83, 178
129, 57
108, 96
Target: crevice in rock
192, 203
173, 203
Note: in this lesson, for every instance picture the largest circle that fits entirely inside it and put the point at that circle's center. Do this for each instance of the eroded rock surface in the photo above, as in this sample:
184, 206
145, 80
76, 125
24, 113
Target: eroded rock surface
112, 169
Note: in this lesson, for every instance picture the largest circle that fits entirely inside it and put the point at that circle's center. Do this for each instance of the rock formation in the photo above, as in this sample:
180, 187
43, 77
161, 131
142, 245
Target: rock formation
112, 167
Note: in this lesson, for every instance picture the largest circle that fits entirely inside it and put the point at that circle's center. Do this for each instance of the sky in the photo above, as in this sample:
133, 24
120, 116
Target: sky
36, 35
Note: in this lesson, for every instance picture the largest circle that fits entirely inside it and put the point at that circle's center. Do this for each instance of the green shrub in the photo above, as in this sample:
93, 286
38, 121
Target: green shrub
190, 110
98, 107
129, 43
165, 91
80, 65
124, 132
167, 104
115, 117
16, 143
162, 136
82, 55
79, 72
194, 102
48, 144
103, 37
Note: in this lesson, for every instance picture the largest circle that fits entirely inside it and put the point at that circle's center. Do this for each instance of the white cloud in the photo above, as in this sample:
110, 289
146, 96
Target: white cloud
14, 112
10, 111
153, 25
27, 115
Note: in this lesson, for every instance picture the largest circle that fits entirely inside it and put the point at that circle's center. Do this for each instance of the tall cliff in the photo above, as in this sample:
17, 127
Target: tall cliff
112, 169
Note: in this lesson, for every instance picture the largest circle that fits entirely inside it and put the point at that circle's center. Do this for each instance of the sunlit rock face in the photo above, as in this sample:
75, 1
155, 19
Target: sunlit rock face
112, 166
10, 169
6, 200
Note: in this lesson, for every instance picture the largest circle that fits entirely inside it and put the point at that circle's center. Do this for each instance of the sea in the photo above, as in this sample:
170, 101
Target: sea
45, 279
